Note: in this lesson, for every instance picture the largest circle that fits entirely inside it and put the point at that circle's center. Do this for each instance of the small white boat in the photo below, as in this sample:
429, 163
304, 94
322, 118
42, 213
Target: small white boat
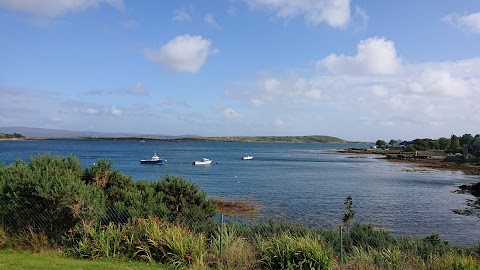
204, 161
154, 160
247, 157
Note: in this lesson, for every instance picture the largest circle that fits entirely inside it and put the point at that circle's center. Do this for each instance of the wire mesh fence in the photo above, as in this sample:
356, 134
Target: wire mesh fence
344, 242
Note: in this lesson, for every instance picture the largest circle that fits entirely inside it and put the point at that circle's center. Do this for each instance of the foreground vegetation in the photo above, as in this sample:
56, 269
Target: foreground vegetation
55, 260
53, 204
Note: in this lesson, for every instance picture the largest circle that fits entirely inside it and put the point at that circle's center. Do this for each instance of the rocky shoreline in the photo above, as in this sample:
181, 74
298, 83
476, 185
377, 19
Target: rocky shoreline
451, 163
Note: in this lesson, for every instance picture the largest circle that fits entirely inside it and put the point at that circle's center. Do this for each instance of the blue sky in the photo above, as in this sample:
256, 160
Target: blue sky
358, 70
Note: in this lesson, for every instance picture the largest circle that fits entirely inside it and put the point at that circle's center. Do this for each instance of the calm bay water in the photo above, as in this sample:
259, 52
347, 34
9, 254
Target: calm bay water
299, 182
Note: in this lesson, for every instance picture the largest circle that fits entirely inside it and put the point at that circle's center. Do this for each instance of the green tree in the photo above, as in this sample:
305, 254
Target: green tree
392, 142
466, 139
454, 142
444, 143
410, 148
380, 143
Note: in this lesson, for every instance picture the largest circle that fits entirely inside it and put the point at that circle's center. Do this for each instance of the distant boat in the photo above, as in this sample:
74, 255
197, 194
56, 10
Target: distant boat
247, 157
154, 160
204, 161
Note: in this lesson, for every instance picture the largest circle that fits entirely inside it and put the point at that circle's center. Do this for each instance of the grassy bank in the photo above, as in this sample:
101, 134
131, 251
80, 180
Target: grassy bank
54, 260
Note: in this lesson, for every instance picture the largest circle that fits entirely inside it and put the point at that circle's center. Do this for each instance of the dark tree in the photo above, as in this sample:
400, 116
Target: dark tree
380, 143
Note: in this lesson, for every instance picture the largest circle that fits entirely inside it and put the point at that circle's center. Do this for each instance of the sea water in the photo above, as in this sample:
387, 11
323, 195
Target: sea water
303, 182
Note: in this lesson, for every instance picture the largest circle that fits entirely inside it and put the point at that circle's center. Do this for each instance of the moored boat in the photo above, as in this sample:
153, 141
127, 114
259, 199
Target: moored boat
204, 161
154, 160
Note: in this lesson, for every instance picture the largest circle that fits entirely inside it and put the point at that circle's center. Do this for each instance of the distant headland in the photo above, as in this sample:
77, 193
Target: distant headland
24, 133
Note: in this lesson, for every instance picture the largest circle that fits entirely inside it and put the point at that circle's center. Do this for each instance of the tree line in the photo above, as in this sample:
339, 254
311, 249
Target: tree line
452, 144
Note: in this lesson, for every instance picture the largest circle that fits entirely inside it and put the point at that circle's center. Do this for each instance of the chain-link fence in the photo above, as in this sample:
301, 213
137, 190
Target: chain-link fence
353, 244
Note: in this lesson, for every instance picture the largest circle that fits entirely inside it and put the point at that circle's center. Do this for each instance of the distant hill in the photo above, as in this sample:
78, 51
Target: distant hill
293, 139
70, 134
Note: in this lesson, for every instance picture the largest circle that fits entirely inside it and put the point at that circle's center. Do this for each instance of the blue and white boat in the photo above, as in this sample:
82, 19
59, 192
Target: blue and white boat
154, 160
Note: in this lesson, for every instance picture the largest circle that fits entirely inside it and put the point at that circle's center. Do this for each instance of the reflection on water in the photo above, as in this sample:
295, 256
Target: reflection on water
300, 182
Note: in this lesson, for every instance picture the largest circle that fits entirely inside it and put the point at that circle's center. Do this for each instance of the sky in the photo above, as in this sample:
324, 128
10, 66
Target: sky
357, 70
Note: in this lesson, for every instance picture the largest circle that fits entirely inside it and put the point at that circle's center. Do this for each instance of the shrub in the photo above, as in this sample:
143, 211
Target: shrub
46, 196
186, 203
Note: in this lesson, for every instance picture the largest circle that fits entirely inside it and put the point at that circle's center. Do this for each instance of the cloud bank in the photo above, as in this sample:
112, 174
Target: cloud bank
373, 89
335, 13
469, 22
55, 8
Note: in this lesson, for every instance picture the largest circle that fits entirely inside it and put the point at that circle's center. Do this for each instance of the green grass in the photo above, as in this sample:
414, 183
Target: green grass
25, 260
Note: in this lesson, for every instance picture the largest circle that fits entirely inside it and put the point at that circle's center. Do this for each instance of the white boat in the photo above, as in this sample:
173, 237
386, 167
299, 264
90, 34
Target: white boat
204, 161
154, 160
247, 157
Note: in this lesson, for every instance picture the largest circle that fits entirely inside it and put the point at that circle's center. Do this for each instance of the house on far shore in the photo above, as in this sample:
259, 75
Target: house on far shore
430, 154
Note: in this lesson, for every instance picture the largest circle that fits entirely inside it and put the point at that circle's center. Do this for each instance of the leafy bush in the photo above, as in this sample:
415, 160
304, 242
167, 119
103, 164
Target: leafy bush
186, 203
46, 196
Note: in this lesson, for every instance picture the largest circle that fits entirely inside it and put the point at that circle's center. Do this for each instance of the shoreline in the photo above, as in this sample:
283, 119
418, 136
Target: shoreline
448, 163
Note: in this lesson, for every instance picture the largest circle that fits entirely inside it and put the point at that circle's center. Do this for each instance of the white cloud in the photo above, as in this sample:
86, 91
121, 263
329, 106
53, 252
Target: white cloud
270, 85
469, 22
210, 20
335, 13
379, 91
440, 82
374, 56
361, 14
138, 90
91, 111
54, 8
182, 54
292, 91
256, 102
411, 100
114, 111
182, 15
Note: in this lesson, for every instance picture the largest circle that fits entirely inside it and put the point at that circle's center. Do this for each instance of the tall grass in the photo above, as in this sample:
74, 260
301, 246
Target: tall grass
229, 251
290, 252
394, 258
